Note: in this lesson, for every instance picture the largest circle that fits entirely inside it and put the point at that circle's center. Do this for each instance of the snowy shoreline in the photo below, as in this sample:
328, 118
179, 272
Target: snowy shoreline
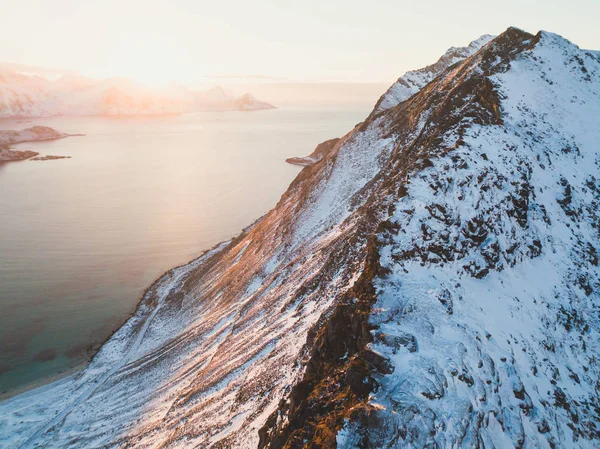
72, 372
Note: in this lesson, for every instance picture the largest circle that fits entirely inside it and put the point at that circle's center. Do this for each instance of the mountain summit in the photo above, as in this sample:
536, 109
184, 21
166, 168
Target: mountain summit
431, 281
413, 81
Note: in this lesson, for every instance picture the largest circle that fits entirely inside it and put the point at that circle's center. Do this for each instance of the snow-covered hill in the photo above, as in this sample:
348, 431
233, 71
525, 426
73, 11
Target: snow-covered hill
432, 281
406, 86
490, 291
36, 96
413, 81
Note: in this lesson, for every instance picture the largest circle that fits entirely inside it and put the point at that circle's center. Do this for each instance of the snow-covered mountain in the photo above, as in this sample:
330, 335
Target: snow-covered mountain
406, 86
432, 281
36, 96
413, 81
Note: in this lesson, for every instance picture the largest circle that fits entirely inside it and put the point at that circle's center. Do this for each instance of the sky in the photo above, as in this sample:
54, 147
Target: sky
219, 42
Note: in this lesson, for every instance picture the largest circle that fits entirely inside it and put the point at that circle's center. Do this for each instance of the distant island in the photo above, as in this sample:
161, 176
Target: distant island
49, 158
33, 134
27, 95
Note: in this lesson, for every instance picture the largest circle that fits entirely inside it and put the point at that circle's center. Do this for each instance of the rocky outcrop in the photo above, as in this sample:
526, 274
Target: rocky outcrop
8, 155
49, 157
320, 152
33, 134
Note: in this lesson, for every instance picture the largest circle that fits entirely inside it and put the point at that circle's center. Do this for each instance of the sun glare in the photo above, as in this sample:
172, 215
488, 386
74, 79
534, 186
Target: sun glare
151, 59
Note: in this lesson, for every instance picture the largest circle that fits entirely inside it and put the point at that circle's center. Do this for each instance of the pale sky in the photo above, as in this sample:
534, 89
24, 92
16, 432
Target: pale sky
190, 41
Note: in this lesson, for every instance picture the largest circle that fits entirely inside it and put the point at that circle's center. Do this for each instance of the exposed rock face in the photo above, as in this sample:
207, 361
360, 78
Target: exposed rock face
432, 281
320, 152
488, 279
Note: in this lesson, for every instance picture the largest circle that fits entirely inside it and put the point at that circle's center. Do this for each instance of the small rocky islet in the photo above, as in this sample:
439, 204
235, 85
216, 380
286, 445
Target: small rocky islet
32, 134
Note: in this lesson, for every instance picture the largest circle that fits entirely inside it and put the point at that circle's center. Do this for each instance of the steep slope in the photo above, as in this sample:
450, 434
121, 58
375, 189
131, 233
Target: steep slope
406, 86
432, 281
22, 95
482, 294
413, 81
493, 271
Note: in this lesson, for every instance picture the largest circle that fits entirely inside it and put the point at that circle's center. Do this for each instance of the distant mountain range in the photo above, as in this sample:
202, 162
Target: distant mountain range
31, 95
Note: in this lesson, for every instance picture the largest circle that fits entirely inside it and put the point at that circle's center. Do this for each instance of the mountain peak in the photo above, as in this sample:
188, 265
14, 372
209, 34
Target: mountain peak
248, 101
490, 182
412, 81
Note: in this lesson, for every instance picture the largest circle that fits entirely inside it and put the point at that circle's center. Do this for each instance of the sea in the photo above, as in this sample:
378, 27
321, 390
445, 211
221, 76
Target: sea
81, 238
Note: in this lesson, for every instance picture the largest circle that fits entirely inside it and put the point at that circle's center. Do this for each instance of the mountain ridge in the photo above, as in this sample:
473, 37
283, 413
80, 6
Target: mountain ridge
378, 360
24, 95
336, 320
414, 80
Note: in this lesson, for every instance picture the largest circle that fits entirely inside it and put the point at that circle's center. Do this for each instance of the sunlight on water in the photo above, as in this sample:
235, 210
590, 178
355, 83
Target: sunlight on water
81, 238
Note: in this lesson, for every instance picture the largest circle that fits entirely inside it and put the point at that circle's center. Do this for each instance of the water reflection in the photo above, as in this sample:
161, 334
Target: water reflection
81, 238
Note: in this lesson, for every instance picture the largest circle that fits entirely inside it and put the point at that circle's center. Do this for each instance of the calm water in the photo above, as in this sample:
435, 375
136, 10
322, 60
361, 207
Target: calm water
81, 238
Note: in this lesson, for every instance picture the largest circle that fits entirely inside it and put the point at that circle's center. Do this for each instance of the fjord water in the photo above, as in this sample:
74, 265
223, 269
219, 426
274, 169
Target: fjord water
81, 238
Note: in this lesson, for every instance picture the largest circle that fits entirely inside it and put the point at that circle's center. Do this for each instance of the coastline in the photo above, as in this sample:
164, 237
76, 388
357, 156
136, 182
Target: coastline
47, 139
23, 155
44, 381
80, 367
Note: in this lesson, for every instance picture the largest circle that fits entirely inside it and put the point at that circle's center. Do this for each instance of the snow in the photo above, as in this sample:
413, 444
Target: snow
49, 405
359, 159
413, 81
217, 344
200, 363
503, 332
